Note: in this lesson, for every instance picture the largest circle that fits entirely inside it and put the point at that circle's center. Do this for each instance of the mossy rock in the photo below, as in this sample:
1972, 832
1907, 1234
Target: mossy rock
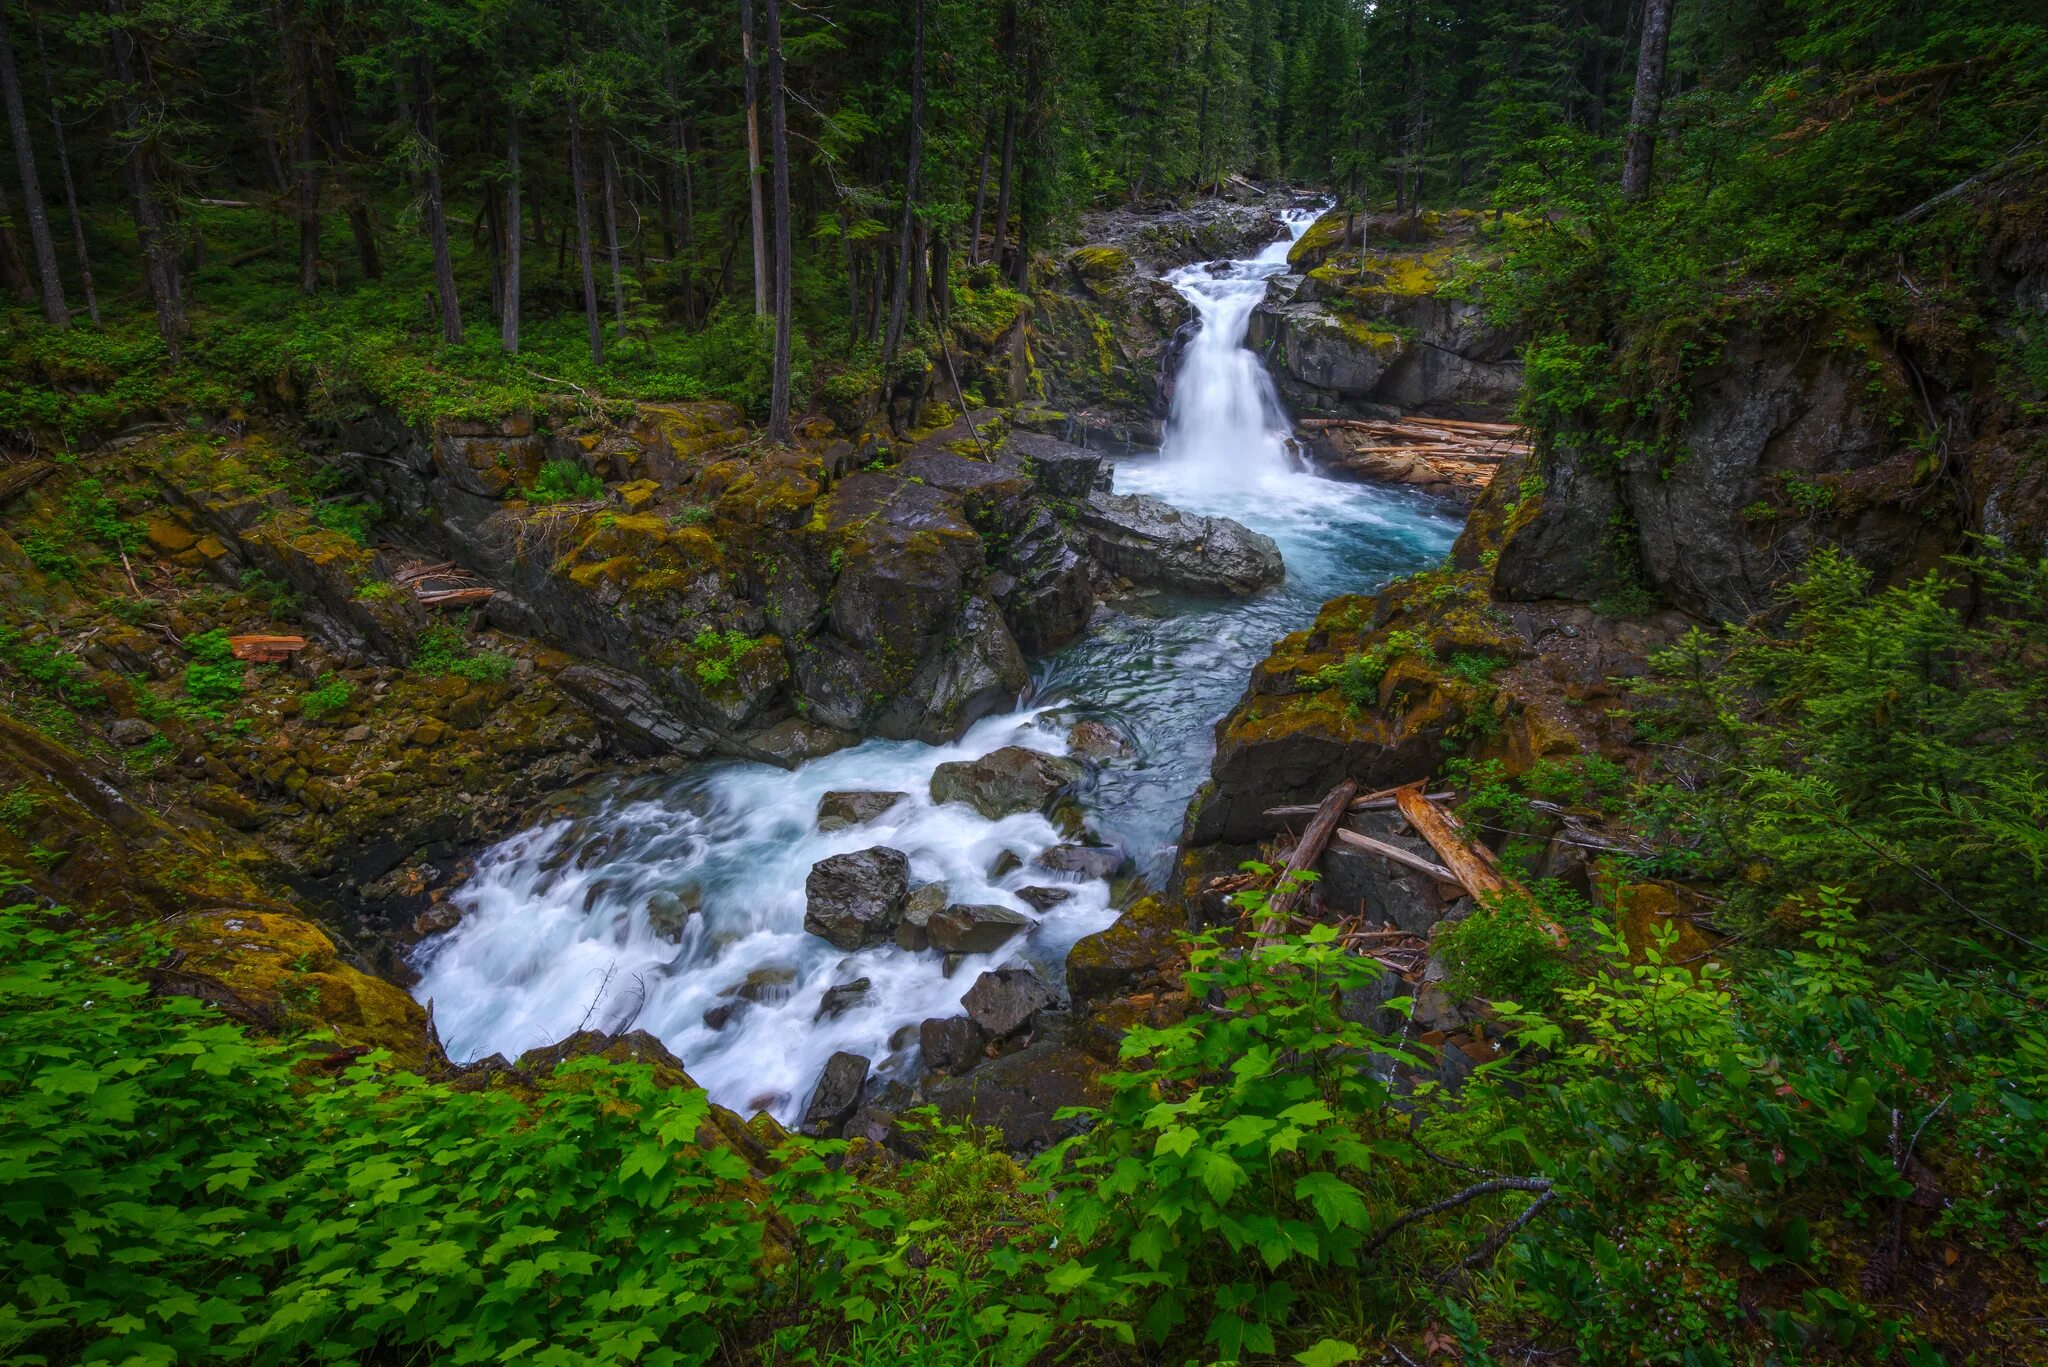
1145, 944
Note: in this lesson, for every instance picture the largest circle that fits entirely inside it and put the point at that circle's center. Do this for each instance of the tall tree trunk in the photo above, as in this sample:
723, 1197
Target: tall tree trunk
778, 132
980, 196
611, 234
92, 302
941, 281
508, 326
436, 215
1641, 148
754, 158
576, 192
852, 276
1002, 225
681, 210
54, 311
160, 262
920, 259
340, 154
906, 225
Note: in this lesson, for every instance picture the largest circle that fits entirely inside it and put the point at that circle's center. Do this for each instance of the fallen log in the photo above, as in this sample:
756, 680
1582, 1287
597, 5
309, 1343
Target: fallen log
266, 650
1471, 863
455, 598
1307, 851
1397, 855
1369, 802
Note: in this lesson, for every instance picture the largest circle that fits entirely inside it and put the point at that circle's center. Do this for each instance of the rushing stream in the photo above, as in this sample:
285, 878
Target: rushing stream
587, 919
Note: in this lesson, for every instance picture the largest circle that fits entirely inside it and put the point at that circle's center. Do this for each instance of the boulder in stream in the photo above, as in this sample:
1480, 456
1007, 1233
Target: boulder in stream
840, 809
1083, 861
837, 1001
836, 1096
1151, 542
1006, 781
1004, 1001
1044, 899
912, 932
950, 1044
975, 929
854, 900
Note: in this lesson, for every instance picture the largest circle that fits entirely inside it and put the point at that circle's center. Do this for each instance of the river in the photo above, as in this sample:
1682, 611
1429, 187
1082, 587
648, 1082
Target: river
575, 922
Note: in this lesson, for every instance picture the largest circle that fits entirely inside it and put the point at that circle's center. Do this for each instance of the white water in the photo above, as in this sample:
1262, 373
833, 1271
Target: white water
559, 922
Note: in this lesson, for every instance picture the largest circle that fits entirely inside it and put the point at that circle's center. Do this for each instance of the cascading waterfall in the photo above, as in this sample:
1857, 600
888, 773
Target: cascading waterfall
1226, 427
665, 898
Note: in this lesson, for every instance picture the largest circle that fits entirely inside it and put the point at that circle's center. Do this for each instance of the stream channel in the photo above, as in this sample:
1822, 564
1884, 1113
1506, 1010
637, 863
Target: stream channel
582, 919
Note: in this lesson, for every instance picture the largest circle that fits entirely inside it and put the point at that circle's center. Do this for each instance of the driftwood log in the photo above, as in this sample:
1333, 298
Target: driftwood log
1307, 851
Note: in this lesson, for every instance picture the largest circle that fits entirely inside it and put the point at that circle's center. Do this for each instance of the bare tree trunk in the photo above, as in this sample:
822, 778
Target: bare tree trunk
1002, 225
436, 216
54, 311
1641, 148
339, 154
160, 264
508, 326
583, 231
611, 235
92, 302
941, 281
754, 159
778, 132
906, 225
980, 196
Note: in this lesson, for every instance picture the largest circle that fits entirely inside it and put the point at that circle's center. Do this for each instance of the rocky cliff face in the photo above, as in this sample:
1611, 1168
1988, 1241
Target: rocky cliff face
1361, 324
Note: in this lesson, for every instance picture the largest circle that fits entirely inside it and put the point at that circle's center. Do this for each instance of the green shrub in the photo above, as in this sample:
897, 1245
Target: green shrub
329, 696
564, 481
214, 676
720, 653
1501, 951
1358, 676
47, 668
443, 652
353, 520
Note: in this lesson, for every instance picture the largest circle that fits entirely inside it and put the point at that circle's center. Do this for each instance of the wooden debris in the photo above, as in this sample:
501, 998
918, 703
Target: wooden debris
1307, 851
1370, 802
443, 585
457, 598
1472, 865
1399, 856
266, 650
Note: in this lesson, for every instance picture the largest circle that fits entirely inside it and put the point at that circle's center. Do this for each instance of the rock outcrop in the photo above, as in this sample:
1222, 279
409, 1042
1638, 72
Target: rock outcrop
853, 900
1151, 542
1006, 781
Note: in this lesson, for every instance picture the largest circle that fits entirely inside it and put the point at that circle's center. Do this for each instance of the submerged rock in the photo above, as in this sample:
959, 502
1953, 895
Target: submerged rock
836, 1096
1005, 782
1044, 899
1097, 740
975, 929
1004, 1001
843, 998
854, 900
838, 810
1085, 861
1152, 542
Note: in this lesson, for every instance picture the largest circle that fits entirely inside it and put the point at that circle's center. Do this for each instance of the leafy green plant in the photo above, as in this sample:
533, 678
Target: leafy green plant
327, 697
564, 481
1358, 676
719, 655
47, 668
442, 651
352, 519
214, 676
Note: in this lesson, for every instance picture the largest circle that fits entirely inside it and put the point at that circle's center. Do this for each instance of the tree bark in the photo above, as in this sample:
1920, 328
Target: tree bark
436, 215
1640, 150
1288, 893
611, 234
1003, 181
906, 225
980, 196
160, 264
583, 255
508, 325
778, 130
339, 153
54, 311
92, 302
754, 158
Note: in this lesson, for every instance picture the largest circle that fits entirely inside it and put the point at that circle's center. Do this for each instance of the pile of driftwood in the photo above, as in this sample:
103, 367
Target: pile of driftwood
1467, 866
1448, 456
443, 585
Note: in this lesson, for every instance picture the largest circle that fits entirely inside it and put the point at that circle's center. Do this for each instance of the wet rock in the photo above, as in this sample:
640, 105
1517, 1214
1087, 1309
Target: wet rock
631, 714
1097, 740
668, 913
635, 1046
1007, 862
1005, 782
838, 810
1044, 899
128, 732
793, 742
912, 928
975, 928
836, 1096
854, 900
1143, 944
1083, 861
1022, 1094
720, 1016
1004, 1001
1152, 542
771, 984
950, 1044
1060, 468
843, 998
1044, 584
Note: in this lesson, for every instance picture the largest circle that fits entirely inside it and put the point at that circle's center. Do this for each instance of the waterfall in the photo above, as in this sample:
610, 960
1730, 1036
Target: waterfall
1226, 427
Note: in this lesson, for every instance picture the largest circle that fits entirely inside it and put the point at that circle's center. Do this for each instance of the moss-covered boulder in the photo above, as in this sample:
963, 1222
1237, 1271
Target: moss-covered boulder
1142, 950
